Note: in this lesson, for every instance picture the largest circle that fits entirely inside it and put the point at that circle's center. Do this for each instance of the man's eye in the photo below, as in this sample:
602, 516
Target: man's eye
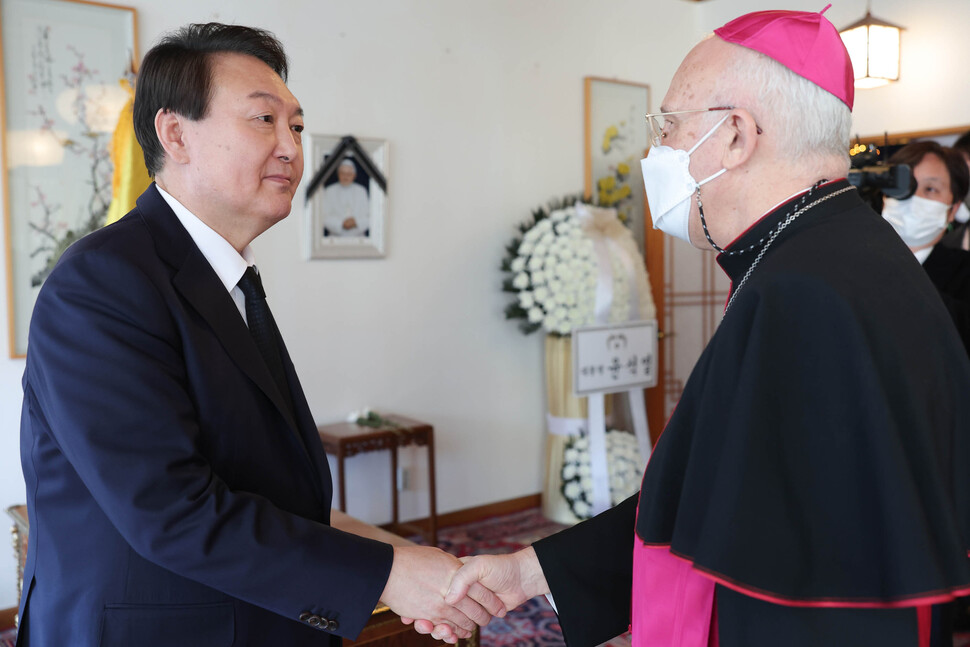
266, 118
298, 128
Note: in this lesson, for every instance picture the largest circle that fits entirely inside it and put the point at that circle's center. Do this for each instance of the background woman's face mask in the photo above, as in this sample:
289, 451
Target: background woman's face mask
669, 186
918, 221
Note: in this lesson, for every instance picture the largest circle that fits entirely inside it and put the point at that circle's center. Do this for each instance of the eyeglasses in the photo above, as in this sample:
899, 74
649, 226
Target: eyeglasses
658, 121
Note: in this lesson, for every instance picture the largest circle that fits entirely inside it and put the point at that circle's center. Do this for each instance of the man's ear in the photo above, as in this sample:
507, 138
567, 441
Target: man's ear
168, 129
951, 215
744, 138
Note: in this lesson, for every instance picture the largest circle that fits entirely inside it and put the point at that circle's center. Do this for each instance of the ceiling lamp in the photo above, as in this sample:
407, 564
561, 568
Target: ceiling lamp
873, 46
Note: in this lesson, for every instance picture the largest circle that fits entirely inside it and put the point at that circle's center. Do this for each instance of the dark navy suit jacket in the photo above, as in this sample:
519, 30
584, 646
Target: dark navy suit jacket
173, 497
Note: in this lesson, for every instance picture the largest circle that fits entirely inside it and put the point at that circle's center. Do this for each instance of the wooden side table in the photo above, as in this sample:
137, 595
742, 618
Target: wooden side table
345, 439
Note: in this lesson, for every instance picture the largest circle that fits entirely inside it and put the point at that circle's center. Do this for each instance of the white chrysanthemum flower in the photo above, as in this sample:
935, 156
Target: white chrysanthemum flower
535, 263
572, 490
527, 247
535, 315
521, 281
587, 484
543, 226
582, 510
548, 239
518, 264
569, 472
538, 278
585, 470
541, 294
540, 250
526, 300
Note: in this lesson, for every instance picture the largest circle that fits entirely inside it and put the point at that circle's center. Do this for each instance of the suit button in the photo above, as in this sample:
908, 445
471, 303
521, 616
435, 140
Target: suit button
312, 620
333, 625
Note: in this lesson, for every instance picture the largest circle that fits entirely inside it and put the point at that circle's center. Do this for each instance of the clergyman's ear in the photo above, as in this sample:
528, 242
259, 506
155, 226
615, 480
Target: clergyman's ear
744, 138
168, 129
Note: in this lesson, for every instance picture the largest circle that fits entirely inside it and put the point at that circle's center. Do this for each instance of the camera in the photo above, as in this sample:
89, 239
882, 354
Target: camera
875, 179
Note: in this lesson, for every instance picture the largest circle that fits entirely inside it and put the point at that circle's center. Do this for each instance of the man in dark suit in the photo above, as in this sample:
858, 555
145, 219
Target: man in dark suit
177, 490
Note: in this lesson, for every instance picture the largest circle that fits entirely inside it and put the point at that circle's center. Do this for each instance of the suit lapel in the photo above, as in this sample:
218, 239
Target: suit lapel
198, 283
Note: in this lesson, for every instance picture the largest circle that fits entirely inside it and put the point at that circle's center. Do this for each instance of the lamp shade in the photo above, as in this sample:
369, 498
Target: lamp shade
873, 47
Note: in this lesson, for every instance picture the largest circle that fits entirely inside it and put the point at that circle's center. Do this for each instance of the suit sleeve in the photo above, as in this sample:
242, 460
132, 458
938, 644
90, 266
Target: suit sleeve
589, 570
106, 374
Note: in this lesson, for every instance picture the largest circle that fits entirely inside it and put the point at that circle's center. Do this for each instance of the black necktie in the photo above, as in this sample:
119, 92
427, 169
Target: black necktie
263, 328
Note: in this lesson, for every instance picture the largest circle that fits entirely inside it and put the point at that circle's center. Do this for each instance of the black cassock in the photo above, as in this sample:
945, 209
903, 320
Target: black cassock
819, 453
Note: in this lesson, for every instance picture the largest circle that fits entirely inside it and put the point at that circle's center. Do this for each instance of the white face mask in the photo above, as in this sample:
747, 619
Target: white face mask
669, 186
918, 221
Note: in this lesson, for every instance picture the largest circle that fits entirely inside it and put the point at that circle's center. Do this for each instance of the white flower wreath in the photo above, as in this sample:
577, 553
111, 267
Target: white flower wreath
623, 459
553, 270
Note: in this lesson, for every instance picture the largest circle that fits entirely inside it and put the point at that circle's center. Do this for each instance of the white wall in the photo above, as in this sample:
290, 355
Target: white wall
482, 105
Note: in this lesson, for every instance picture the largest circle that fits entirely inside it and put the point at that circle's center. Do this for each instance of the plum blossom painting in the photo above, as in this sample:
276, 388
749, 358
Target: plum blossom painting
64, 62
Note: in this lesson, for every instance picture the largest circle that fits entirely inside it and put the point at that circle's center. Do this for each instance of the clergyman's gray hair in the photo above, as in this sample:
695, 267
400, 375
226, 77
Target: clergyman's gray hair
811, 123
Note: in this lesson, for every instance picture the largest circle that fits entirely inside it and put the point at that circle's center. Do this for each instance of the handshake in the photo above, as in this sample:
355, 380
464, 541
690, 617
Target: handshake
446, 597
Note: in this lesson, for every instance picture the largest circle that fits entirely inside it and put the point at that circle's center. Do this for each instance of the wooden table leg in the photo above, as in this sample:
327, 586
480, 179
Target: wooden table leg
394, 517
340, 481
433, 511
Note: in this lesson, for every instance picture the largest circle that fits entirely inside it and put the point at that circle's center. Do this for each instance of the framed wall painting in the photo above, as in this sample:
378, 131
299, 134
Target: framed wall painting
62, 66
615, 140
346, 197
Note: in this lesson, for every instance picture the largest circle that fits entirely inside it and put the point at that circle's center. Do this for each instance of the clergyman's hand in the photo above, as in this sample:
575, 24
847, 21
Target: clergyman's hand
514, 578
416, 587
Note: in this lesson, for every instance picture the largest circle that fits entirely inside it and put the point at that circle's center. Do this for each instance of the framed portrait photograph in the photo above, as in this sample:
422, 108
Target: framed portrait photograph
346, 197
64, 62
615, 142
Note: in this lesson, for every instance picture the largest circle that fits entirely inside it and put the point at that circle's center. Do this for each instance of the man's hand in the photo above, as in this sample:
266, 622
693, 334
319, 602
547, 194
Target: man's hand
417, 585
514, 578
349, 223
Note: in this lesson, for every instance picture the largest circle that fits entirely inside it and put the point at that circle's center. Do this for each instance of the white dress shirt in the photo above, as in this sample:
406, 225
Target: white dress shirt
228, 264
